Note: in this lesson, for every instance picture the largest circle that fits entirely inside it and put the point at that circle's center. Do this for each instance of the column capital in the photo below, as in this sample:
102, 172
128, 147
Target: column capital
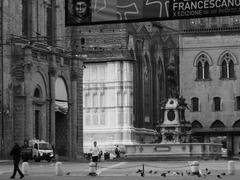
52, 71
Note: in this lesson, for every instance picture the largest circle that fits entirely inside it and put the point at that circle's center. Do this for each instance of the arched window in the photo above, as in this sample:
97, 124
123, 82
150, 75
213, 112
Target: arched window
147, 83
119, 98
87, 100
227, 66
95, 100
102, 99
37, 93
82, 41
217, 124
195, 104
236, 124
216, 104
203, 68
196, 124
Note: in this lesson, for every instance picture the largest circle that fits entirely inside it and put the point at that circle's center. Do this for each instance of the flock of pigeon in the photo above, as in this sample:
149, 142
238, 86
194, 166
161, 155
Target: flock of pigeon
204, 174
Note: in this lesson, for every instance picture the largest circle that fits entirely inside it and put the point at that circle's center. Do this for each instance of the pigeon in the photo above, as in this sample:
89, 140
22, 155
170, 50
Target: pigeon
68, 173
218, 176
150, 171
163, 174
209, 172
174, 173
223, 174
188, 173
198, 175
139, 170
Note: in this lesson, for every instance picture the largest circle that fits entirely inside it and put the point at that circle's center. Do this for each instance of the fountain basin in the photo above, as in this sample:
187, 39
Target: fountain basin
174, 150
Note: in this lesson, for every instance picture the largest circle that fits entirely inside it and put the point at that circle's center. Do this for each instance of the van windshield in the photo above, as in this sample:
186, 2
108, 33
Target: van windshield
45, 146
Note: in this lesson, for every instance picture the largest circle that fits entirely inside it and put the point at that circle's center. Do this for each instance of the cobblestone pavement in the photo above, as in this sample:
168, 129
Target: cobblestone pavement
176, 170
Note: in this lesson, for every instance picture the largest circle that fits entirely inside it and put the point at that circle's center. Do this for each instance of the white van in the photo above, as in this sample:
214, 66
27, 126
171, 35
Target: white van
41, 150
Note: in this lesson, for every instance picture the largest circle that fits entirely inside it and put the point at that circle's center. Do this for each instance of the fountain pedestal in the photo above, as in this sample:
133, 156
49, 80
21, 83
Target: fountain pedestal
174, 128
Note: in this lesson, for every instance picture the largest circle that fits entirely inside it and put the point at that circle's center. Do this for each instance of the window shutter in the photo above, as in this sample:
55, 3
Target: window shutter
213, 106
235, 103
191, 107
221, 105
199, 106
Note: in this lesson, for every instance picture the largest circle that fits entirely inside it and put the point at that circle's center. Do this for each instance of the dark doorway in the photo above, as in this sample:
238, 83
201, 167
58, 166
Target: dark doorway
62, 142
37, 119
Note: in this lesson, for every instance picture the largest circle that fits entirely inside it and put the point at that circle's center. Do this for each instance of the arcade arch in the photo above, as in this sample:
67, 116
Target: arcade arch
39, 121
61, 117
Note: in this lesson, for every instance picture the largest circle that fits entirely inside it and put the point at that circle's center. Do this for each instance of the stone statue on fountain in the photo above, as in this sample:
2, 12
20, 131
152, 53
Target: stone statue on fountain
174, 128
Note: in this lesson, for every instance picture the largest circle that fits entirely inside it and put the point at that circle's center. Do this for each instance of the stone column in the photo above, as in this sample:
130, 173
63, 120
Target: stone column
229, 144
52, 79
79, 102
206, 138
28, 120
73, 109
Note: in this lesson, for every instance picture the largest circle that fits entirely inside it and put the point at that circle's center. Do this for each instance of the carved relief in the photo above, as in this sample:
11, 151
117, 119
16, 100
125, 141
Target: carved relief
18, 89
18, 71
18, 107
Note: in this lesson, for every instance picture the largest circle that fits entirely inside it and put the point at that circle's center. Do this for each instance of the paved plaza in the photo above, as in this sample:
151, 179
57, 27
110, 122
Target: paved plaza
211, 169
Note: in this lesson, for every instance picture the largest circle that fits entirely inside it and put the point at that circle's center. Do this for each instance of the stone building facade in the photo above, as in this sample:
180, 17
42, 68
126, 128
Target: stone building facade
210, 79
125, 81
41, 78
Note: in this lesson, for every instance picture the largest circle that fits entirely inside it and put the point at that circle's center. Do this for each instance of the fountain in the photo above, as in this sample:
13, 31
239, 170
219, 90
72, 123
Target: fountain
176, 138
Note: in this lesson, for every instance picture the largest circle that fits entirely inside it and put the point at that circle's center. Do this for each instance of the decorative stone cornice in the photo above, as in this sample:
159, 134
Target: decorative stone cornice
38, 46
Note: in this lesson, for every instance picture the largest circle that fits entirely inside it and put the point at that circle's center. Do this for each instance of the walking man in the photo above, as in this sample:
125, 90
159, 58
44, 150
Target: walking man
117, 152
16, 153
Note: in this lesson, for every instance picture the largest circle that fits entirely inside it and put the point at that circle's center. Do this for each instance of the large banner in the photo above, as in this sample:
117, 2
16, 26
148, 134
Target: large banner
203, 8
86, 12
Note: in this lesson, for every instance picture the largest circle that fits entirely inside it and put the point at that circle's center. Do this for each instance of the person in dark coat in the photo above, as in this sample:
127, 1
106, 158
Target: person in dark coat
16, 153
117, 151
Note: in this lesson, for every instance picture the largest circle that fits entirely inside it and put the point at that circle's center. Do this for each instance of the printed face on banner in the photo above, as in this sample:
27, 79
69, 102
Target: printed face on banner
78, 12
